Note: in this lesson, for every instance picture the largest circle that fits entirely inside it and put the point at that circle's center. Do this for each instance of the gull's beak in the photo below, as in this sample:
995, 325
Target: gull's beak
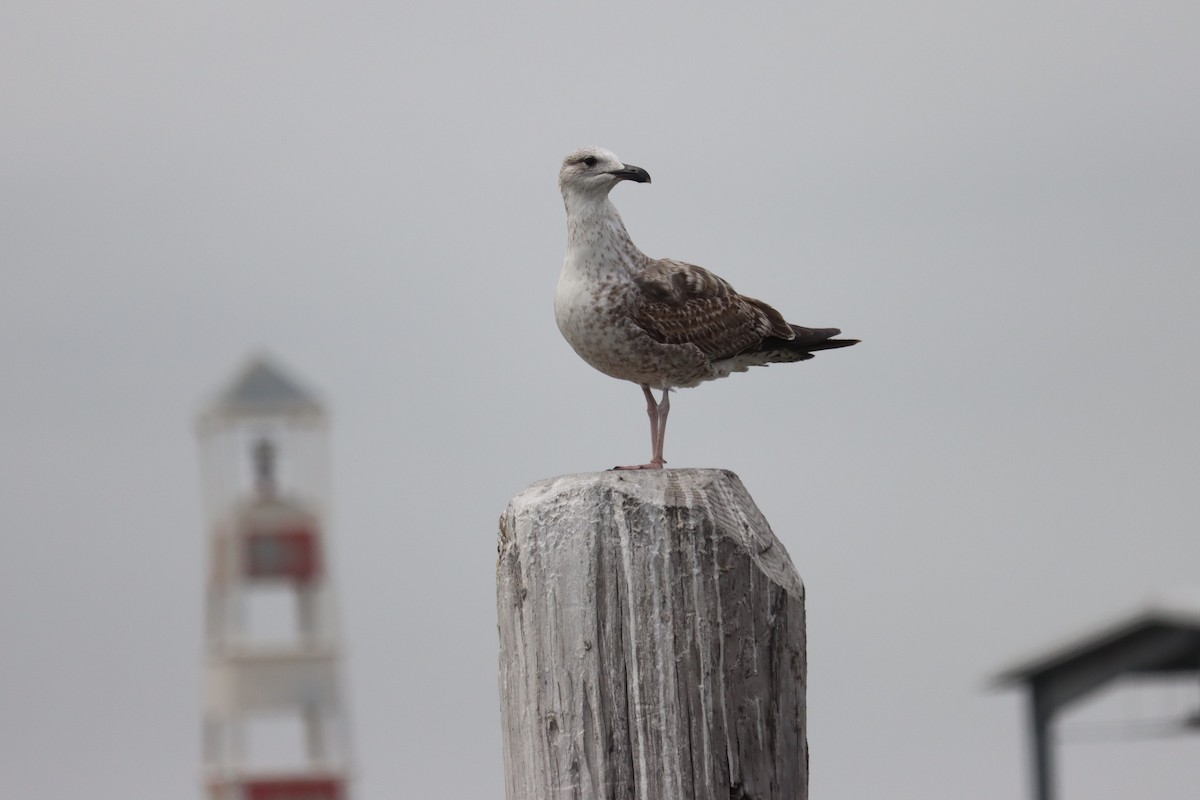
631, 173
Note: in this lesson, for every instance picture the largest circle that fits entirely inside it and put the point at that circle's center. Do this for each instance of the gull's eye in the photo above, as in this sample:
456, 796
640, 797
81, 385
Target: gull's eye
590, 161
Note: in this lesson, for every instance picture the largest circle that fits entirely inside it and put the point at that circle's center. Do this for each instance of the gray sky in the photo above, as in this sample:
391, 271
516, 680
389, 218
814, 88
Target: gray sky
1000, 200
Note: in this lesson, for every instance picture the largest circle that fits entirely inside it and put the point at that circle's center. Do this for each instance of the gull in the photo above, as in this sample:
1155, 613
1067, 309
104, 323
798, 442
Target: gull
660, 323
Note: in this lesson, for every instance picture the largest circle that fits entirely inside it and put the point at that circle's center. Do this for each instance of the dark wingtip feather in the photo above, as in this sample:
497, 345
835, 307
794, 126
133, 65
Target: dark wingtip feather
831, 344
811, 339
807, 340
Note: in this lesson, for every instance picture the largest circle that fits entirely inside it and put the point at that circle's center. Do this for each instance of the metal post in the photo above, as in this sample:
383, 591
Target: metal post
1041, 738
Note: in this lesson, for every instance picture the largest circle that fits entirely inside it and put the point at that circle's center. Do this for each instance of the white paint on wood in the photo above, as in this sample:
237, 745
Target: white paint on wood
651, 642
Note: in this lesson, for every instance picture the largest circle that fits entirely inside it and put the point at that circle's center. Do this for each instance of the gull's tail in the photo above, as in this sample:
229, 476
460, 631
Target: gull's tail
776, 350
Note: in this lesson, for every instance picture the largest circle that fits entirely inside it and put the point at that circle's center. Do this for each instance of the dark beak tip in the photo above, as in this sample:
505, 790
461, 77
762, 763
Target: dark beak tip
632, 173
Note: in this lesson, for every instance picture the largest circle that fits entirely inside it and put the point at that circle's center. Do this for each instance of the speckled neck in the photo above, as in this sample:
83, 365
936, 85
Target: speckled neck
597, 238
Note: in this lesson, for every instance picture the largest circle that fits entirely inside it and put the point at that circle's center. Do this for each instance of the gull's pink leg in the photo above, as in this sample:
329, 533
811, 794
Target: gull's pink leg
656, 428
664, 408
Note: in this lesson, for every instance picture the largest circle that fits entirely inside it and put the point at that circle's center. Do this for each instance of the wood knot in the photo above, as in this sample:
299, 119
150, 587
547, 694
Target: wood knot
737, 792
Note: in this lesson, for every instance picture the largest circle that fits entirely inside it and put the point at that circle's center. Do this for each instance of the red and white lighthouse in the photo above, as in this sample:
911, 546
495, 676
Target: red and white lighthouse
275, 725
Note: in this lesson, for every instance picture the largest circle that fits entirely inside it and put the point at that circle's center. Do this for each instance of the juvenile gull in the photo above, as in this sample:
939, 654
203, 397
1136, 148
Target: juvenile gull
660, 323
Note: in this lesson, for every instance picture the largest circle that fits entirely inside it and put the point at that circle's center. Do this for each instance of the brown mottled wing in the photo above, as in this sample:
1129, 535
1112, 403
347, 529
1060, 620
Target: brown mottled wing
681, 303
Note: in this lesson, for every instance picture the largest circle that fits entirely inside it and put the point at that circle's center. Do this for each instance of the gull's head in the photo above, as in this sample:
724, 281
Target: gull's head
594, 171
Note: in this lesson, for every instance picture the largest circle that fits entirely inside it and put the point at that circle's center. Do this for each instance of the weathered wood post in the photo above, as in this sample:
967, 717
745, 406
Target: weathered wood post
651, 642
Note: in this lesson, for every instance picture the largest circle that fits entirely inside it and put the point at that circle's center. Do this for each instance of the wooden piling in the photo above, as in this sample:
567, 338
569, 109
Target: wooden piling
652, 642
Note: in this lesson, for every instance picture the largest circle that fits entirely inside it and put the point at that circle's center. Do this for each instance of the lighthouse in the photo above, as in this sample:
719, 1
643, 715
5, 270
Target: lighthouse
274, 724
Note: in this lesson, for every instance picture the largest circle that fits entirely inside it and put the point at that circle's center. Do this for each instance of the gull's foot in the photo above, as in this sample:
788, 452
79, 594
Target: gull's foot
651, 465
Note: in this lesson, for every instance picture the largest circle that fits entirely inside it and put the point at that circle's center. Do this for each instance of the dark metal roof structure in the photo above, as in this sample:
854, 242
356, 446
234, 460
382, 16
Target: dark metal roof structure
1162, 637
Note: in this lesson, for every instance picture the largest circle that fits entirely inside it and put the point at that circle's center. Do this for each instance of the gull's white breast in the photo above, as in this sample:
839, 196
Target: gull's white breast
593, 307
